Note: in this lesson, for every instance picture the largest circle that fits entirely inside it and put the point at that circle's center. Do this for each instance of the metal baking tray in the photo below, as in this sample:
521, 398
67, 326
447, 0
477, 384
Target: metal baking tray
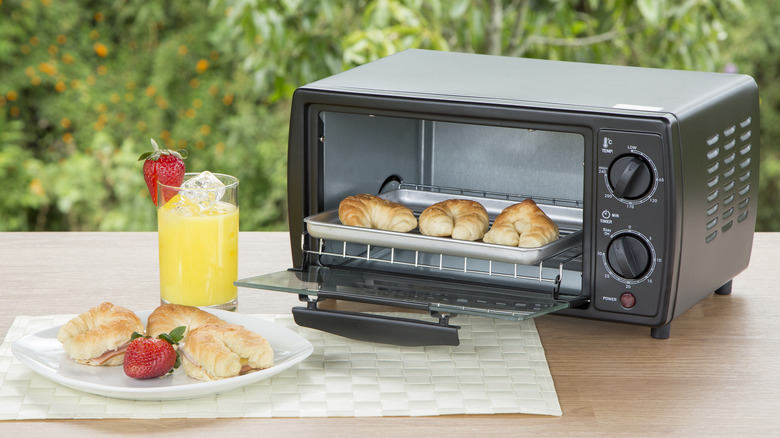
326, 225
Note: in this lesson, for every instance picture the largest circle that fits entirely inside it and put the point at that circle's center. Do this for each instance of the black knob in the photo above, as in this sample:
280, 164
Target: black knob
628, 256
630, 177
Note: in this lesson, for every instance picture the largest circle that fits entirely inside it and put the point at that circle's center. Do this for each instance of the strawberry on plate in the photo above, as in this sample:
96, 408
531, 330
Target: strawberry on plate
147, 357
163, 165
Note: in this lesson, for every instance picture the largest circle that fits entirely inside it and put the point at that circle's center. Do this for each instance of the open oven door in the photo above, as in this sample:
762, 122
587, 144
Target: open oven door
442, 298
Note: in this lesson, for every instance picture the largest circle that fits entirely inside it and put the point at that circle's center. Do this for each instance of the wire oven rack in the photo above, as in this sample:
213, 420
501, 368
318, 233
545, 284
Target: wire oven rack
444, 262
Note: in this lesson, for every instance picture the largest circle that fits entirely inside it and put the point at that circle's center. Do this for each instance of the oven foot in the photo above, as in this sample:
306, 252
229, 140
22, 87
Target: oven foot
662, 332
725, 289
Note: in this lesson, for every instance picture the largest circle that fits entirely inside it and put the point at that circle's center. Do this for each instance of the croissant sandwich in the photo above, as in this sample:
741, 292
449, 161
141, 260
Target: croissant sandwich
100, 336
169, 316
214, 352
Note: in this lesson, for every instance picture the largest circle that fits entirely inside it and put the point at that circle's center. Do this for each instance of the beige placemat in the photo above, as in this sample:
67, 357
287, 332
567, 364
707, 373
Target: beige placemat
499, 367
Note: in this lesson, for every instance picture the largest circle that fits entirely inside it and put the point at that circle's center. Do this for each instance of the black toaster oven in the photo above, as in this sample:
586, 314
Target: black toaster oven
651, 176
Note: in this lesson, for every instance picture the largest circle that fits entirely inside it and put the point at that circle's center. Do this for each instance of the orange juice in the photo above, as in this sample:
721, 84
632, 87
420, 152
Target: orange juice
198, 253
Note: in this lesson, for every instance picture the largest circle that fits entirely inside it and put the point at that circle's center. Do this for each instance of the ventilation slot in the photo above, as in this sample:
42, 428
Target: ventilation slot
728, 157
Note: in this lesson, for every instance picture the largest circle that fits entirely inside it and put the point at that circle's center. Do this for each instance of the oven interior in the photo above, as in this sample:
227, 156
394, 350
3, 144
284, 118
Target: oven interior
418, 161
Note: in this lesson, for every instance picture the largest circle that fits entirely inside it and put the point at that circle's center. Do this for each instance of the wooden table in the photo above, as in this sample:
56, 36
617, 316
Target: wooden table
719, 373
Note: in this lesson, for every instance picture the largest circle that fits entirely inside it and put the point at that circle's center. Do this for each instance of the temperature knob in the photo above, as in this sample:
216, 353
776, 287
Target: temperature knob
628, 256
630, 177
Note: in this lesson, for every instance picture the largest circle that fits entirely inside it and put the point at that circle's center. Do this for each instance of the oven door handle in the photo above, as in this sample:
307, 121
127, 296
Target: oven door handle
377, 328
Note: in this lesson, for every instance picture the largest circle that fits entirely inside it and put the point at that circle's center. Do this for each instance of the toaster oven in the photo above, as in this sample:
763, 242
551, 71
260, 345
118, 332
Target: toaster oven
651, 176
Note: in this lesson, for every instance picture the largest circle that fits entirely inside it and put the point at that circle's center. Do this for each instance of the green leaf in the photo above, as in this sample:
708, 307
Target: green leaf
651, 10
248, 26
177, 363
178, 333
175, 336
145, 155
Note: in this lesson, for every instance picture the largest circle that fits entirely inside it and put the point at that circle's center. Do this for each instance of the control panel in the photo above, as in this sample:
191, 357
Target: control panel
631, 222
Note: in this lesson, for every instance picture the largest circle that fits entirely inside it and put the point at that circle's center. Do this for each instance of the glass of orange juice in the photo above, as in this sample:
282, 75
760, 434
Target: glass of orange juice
197, 232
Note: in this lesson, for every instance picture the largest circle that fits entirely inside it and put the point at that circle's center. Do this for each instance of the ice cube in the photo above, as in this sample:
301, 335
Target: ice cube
205, 189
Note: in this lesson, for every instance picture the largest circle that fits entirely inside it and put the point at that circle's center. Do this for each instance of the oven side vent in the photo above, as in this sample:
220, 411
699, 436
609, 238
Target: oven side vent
729, 155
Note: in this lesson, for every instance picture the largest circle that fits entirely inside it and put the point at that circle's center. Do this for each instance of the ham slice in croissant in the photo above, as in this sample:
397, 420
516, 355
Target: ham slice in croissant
523, 225
461, 219
369, 211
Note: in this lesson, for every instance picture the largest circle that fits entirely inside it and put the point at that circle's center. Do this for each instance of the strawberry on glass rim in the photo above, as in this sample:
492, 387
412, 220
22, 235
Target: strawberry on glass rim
165, 166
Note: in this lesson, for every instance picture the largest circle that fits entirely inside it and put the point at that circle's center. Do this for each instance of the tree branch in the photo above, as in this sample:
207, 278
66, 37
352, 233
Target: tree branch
494, 27
574, 42
518, 30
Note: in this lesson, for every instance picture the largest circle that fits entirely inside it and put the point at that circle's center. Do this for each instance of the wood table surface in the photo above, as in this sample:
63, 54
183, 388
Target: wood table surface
718, 374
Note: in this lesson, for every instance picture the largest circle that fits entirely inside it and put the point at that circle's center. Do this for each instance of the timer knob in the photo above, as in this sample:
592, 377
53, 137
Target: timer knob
628, 256
630, 177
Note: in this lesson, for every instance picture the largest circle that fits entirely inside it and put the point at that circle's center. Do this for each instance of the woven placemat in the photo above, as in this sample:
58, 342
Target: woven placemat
499, 367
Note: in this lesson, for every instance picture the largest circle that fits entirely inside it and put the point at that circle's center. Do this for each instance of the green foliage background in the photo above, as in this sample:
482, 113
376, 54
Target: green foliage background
85, 85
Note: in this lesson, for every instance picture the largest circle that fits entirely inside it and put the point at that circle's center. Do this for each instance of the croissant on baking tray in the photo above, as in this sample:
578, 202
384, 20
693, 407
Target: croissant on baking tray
461, 219
524, 225
369, 211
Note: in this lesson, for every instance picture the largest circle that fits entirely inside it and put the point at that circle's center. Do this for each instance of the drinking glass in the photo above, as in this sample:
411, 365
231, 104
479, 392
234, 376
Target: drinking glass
197, 232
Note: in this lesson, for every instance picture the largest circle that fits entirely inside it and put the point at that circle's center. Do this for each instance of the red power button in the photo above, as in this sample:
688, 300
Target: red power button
627, 300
